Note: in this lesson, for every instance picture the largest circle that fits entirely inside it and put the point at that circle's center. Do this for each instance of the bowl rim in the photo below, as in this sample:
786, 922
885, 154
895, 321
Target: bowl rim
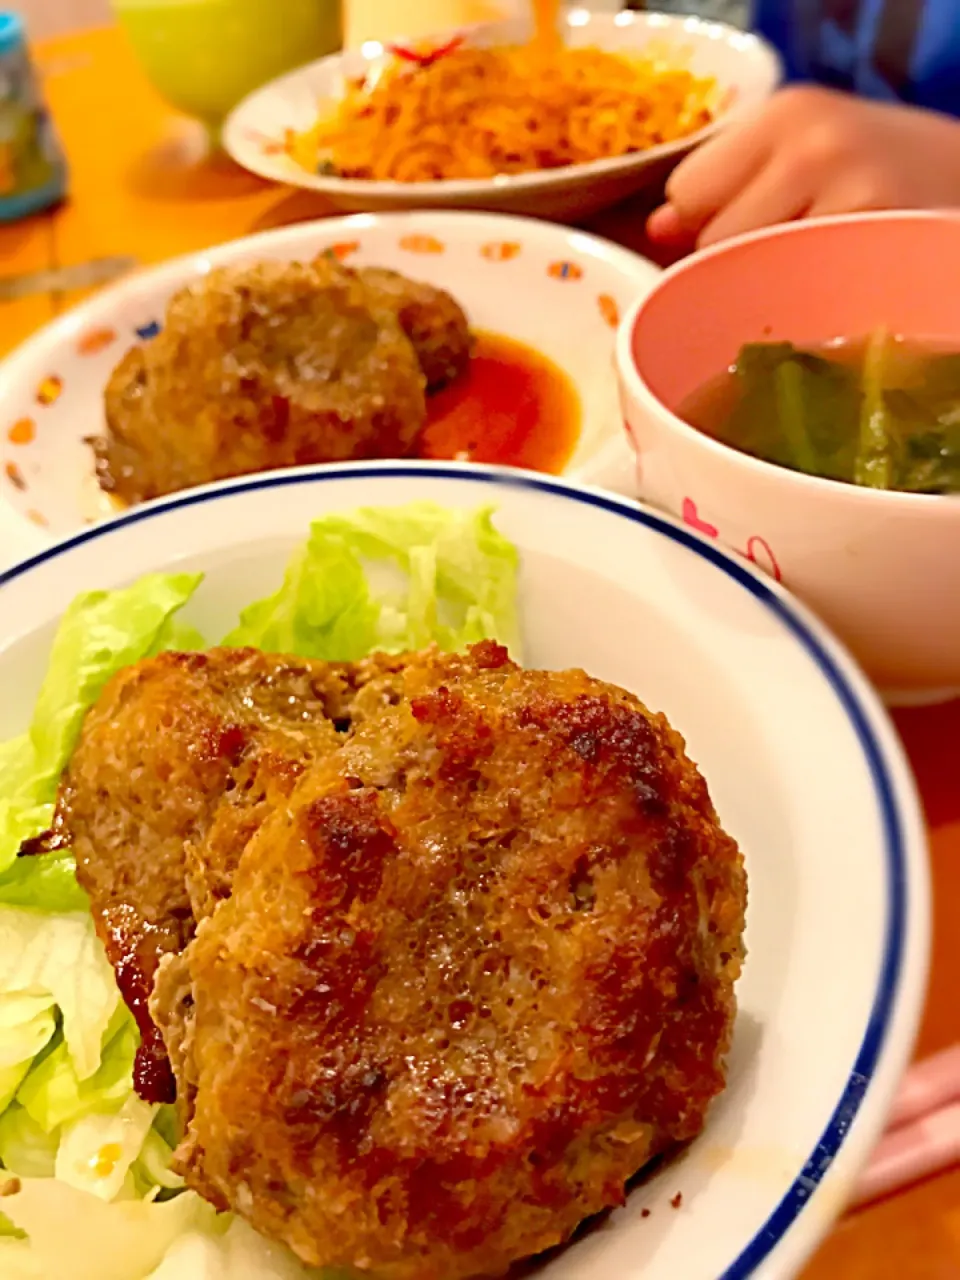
748, 43
806, 485
225, 252
898, 998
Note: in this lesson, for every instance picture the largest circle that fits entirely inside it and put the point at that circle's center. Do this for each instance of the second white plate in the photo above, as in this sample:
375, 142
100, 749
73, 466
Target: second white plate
560, 291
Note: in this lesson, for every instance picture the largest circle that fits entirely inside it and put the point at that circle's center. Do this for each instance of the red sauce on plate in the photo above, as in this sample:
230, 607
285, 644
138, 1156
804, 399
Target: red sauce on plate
513, 407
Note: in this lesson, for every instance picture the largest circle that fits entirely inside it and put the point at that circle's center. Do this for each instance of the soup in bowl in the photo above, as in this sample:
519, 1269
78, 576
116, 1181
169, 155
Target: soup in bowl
792, 394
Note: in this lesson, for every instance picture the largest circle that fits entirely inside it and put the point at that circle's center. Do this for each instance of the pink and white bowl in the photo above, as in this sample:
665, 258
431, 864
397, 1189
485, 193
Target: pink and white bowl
882, 569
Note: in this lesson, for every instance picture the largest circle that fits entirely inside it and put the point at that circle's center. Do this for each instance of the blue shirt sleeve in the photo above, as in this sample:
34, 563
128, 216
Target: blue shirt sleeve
898, 50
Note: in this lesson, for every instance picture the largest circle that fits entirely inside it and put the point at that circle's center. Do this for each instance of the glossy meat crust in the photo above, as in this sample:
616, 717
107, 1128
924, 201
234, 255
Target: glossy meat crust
473, 974
431, 318
259, 367
177, 764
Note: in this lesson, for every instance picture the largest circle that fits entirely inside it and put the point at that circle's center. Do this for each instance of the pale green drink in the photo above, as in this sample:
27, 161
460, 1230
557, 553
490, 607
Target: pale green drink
204, 56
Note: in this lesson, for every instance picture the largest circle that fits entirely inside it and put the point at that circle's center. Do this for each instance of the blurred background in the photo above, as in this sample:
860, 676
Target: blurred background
50, 17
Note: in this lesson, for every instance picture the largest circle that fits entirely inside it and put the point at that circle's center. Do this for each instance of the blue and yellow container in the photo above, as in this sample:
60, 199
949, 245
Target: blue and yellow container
33, 174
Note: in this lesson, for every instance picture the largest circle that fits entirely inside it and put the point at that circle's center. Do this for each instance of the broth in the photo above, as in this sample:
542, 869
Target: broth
880, 411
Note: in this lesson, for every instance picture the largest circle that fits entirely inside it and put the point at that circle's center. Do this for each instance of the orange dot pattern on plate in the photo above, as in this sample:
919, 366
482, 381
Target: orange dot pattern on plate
268, 146
49, 390
23, 431
95, 340
342, 249
421, 244
500, 250
15, 476
609, 309
38, 518
564, 271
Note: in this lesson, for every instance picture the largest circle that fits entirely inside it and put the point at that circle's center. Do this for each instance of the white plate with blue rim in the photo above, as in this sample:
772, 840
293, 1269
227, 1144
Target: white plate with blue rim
802, 764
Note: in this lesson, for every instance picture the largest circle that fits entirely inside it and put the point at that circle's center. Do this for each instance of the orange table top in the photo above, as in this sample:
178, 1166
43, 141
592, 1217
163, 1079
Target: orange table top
141, 186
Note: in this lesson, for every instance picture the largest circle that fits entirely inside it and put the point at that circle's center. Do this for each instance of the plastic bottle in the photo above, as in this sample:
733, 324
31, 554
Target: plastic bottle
33, 173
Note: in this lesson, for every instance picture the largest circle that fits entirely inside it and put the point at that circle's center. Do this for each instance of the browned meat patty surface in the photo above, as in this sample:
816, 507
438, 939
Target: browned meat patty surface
179, 761
431, 318
474, 972
259, 367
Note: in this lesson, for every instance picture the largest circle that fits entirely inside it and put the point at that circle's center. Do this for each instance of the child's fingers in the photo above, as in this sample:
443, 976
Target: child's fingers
774, 195
664, 227
710, 179
859, 190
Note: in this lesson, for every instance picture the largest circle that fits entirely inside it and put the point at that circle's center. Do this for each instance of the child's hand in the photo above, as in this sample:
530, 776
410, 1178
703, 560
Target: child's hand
810, 151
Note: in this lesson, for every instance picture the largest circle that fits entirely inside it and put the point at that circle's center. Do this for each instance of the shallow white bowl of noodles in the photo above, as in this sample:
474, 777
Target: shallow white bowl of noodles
746, 71
803, 767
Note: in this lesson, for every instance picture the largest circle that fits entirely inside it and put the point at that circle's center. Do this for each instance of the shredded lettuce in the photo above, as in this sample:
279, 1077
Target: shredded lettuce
73, 1235
98, 1198
48, 883
26, 1149
238, 1253
97, 1151
27, 1024
52, 1092
100, 632
60, 958
457, 585
153, 1163
10, 1081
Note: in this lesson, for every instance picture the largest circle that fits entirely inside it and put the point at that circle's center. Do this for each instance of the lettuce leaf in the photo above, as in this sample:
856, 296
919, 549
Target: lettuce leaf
153, 1164
233, 1251
454, 582
96, 1151
25, 1149
322, 610
74, 1235
10, 1080
53, 1094
100, 633
27, 1025
61, 958
25, 806
48, 883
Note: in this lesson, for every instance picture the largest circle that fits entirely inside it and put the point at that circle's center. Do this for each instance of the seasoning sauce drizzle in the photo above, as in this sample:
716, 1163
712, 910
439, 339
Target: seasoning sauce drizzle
513, 407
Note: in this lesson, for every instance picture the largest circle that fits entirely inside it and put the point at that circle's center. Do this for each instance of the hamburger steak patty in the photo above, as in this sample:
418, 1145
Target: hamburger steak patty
475, 971
259, 367
431, 318
178, 763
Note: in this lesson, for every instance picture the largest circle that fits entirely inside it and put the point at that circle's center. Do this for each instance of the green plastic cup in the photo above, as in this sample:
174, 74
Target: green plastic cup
205, 56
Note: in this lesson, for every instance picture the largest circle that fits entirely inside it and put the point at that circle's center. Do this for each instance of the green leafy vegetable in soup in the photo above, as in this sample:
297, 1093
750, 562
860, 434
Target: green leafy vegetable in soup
880, 412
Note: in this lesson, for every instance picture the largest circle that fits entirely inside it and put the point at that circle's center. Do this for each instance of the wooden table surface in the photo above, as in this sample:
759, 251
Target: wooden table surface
141, 185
